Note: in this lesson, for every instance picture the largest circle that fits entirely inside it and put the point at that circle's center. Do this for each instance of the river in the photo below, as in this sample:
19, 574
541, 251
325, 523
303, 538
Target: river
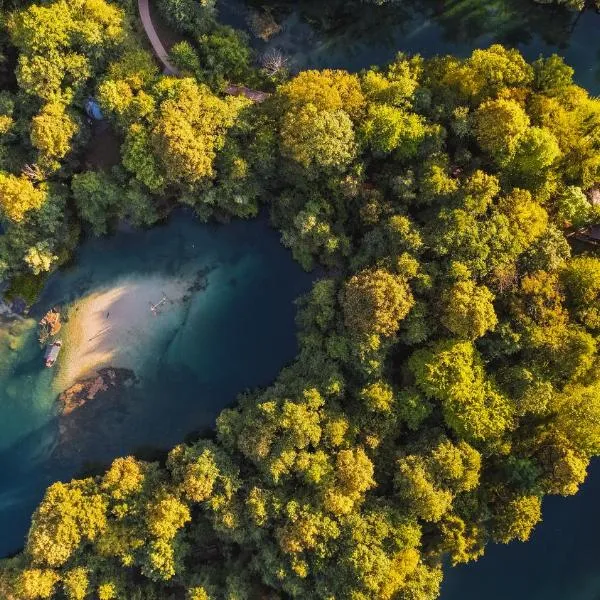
334, 34
562, 559
234, 331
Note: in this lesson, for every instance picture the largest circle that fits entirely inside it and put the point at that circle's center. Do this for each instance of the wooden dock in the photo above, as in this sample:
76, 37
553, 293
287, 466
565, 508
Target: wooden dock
241, 90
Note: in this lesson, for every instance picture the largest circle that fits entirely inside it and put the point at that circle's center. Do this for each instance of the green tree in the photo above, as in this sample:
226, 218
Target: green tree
318, 139
572, 207
428, 482
564, 468
69, 514
18, 196
378, 397
326, 90
189, 15
225, 54
451, 371
139, 158
581, 278
468, 310
498, 126
495, 68
166, 515
96, 195
387, 129
59, 40
516, 519
552, 75
39, 258
189, 129
52, 131
76, 584
37, 583
535, 152
201, 470
277, 431
578, 417
375, 302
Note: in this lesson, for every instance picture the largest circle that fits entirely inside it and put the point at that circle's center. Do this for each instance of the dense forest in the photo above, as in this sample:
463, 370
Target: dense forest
447, 378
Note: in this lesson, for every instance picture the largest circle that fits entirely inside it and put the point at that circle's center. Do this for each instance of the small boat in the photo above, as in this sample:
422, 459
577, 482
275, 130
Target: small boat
52, 353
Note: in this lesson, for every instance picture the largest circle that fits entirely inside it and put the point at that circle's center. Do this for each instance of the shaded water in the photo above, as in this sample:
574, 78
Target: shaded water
237, 333
335, 34
562, 559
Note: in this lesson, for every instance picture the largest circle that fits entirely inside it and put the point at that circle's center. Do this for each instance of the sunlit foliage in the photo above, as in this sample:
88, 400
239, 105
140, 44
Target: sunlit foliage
447, 376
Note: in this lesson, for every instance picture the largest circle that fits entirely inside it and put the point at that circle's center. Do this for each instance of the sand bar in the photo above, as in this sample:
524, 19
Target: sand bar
117, 326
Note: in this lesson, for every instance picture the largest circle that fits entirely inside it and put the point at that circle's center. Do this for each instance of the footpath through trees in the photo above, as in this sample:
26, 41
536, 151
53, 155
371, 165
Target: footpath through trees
157, 46
169, 69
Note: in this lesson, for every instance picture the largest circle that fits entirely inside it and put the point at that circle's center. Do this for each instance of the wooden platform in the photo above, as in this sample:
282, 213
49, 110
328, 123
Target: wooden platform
240, 90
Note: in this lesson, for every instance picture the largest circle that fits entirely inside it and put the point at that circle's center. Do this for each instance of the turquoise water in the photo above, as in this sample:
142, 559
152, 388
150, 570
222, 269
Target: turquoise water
562, 559
237, 333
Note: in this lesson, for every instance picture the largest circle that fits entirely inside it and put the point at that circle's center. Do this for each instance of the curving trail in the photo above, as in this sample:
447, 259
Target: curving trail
159, 49
170, 69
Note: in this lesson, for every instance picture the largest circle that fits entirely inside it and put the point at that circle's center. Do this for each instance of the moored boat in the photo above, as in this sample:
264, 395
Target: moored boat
52, 352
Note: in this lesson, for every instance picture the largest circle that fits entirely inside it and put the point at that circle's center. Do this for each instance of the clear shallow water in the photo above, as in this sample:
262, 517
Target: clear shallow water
237, 333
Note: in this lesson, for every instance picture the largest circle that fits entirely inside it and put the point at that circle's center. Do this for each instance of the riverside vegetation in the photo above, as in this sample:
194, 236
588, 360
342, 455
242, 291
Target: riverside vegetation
447, 378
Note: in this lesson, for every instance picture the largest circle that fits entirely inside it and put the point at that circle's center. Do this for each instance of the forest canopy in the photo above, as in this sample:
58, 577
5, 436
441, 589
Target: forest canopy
447, 376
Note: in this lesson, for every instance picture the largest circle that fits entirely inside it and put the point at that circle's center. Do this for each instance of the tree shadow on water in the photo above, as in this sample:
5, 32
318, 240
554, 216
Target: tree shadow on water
509, 22
469, 23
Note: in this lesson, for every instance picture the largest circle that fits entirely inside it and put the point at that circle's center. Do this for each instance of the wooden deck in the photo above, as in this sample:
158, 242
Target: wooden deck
241, 90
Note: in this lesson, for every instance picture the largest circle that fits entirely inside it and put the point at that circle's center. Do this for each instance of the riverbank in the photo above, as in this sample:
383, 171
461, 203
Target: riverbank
234, 332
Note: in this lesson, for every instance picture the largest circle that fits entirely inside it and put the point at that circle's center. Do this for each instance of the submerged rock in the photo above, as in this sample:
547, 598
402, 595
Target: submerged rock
82, 392
89, 411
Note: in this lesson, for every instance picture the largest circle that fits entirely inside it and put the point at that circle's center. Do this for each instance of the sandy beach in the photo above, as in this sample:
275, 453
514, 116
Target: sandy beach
117, 326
